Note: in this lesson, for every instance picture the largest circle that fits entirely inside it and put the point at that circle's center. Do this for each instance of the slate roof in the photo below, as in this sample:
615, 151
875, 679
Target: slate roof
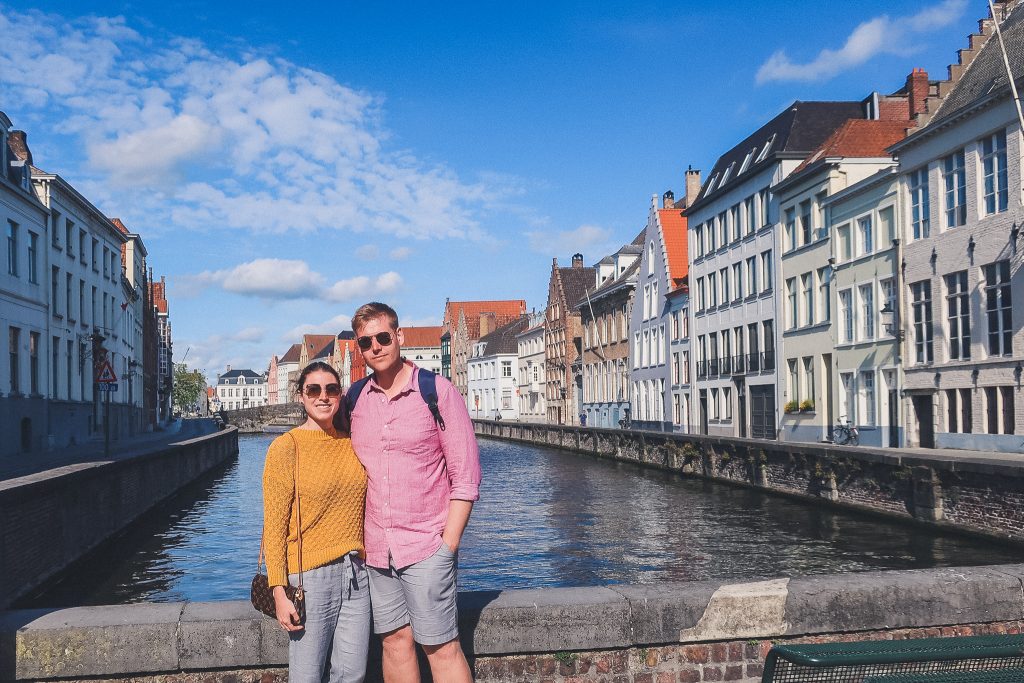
985, 76
611, 284
422, 336
503, 339
576, 282
291, 355
235, 374
794, 133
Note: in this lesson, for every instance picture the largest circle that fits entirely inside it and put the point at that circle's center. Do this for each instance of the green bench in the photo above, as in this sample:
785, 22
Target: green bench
969, 659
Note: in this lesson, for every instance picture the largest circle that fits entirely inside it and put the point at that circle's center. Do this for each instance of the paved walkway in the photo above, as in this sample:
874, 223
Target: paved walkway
92, 451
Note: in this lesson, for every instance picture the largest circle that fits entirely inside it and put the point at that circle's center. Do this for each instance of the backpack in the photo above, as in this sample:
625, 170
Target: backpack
427, 382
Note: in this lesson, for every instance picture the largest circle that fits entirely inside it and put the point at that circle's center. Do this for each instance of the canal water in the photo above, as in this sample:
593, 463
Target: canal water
545, 518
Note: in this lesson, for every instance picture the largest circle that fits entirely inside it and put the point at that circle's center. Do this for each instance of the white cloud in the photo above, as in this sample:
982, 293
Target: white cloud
200, 138
338, 323
400, 253
368, 252
287, 279
583, 239
880, 35
213, 354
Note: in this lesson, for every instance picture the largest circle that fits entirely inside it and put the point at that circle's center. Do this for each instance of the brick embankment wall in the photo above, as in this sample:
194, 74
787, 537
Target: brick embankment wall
975, 494
53, 518
686, 632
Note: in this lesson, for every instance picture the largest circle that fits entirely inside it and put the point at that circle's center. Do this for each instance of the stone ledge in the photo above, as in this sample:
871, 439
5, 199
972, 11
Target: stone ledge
169, 637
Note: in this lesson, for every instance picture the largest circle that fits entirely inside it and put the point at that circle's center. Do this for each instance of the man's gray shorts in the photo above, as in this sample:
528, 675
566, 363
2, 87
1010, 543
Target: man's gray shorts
422, 594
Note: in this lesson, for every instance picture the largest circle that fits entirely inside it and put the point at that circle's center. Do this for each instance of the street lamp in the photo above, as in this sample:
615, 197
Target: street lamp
890, 321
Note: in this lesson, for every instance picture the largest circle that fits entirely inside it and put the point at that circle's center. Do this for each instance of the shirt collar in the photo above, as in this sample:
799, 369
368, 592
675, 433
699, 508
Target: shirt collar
413, 385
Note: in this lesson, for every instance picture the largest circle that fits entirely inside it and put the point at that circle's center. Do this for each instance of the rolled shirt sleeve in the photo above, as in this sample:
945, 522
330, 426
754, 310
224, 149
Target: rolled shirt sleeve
458, 441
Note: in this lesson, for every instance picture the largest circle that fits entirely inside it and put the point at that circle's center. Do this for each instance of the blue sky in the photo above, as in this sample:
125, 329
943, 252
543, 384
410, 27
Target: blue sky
285, 162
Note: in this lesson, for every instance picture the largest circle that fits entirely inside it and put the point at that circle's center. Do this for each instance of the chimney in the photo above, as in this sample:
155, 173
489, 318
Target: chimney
917, 90
577, 260
486, 320
17, 142
228, 370
668, 200
692, 185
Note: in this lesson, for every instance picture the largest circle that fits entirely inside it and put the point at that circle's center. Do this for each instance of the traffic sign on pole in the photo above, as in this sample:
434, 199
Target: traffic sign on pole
106, 373
107, 386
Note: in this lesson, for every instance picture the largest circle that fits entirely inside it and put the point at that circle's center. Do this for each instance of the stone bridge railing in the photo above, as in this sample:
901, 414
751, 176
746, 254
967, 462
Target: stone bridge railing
255, 419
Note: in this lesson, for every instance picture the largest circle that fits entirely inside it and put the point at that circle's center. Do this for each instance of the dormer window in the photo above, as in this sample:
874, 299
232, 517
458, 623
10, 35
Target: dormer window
746, 161
728, 172
764, 152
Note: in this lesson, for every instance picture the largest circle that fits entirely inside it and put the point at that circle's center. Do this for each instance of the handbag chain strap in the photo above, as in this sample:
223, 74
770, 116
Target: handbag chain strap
298, 517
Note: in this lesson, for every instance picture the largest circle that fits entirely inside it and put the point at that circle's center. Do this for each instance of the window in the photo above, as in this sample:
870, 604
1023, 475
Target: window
867, 311
95, 255
805, 222
867, 395
886, 224
766, 270
997, 309
686, 367
791, 312
790, 229
888, 287
919, 207
12, 248
922, 307
848, 396
753, 345
723, 229
734, 223
106, 262
865, 235
809, 378
959, 418
701, 295
954, 182
751, 216
506, 368
768, 328
650, 258
81, 300
993, 159
54, 284
807, 292
825, 294
33, 257
723, 275
844, 248
713, 289
698, 234
715, 414
752, 276
33, 363
13, 346
958, 310
794, 381
70, 364
846, 315
992, 409
68, 281
81, 245
54, 365
1009, 416
765, 199
726, 403
69, 237
712, 236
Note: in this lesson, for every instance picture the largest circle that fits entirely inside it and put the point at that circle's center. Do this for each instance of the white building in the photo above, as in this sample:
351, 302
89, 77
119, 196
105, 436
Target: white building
422, 345
960, 180
238, 389
493, 371
24, 302
530, 359
733, 248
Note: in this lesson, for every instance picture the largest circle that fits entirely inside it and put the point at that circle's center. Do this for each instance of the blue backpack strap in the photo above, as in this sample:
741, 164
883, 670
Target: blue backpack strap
348, 404
427, 381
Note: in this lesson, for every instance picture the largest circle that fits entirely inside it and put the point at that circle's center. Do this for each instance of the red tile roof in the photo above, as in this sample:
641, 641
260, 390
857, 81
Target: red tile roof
316, 343
119, 225
673, 228
503, 312
422, 336
158, 293
291, 355
859, 138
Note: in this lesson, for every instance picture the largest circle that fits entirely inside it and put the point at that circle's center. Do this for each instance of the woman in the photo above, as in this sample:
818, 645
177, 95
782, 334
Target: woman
331, 645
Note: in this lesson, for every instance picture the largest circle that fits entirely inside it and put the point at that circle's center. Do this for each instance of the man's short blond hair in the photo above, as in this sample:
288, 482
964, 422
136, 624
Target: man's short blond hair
371, 311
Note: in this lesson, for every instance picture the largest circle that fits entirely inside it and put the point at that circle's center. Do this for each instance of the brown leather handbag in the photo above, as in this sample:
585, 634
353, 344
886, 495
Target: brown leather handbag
261, 594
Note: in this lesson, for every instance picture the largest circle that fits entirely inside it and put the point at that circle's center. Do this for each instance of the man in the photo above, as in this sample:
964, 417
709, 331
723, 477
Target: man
422, 484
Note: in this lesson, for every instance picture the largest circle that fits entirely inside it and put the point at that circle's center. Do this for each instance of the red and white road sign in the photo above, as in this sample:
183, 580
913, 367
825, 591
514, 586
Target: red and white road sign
106, 373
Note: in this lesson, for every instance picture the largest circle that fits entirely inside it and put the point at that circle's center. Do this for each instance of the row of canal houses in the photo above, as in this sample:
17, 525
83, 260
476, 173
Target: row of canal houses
850, 262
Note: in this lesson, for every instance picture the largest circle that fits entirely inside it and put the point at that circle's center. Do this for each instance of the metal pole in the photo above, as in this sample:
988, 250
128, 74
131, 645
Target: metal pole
106, 425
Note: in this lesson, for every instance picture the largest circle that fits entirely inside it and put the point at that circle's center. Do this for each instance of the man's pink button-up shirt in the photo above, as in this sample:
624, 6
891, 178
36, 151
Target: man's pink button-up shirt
414, 468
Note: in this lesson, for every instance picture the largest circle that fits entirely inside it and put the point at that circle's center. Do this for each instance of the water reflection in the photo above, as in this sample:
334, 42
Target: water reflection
546, 518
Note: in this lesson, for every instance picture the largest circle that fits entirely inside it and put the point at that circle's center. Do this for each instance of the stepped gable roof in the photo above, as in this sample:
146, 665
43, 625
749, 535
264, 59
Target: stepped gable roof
503, 339
792, 134
985, 77
315, 343
429, 336
673, 231
576, 282
858, 138
158, 294
291, 355
120, 226
503, 312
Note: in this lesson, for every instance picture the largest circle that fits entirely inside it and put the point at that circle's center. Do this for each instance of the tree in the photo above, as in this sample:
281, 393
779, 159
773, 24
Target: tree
188, 387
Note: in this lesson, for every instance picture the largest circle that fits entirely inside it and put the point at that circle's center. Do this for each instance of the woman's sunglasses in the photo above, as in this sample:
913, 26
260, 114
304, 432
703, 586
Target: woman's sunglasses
316, 391
383, 338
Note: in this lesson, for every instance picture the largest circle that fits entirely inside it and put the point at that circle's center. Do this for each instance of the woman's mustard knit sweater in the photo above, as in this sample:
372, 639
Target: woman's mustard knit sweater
332, 495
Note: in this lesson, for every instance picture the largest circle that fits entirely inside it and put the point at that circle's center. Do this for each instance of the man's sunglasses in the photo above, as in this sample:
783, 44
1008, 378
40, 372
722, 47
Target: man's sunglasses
316, 391
383, 338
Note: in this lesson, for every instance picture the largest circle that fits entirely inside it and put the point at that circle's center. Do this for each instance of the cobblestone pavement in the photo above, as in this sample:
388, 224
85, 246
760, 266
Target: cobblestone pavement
91, 453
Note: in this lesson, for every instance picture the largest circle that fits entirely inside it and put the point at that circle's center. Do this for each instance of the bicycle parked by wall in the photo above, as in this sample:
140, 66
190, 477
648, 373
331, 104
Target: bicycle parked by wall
845, 434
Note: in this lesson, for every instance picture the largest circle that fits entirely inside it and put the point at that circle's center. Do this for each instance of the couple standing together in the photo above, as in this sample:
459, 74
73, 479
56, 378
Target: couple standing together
382, 513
